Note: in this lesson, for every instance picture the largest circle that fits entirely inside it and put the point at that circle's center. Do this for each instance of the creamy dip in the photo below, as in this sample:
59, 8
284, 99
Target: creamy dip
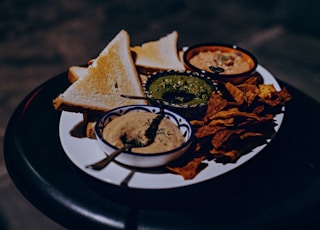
133, 126
231, 62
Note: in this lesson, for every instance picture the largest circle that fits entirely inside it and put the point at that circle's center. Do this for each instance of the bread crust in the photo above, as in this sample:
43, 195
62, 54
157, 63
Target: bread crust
61, 105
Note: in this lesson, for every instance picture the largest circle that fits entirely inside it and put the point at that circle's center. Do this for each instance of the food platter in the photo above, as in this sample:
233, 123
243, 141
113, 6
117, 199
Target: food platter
82, 151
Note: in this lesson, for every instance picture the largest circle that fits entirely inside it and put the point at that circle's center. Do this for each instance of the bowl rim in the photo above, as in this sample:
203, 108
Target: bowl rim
226, 45
147, 108
157, 74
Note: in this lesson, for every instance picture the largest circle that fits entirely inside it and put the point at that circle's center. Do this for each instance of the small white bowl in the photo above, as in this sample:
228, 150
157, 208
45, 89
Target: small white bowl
144, 160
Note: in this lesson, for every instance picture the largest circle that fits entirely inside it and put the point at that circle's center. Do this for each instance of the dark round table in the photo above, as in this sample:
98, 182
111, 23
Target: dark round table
278, 189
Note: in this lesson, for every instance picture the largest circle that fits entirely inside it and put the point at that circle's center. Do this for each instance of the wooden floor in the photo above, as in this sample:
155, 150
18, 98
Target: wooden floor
41, 40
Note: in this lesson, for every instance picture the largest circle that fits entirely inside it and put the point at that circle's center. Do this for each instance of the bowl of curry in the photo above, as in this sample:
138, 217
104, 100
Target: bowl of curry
173, 136
222, 62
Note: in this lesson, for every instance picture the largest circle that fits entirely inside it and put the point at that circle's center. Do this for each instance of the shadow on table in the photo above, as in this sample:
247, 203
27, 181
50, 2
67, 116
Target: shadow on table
3, 222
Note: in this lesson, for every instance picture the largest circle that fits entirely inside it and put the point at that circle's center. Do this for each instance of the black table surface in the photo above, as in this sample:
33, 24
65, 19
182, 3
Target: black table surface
278, 188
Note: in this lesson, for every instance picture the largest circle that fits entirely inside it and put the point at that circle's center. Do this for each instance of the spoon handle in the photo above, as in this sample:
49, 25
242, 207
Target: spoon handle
151, 132
142, 98
105, 161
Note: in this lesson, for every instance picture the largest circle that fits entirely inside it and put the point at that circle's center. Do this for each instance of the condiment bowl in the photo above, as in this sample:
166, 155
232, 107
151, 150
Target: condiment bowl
222, 62
144, 160
184, 92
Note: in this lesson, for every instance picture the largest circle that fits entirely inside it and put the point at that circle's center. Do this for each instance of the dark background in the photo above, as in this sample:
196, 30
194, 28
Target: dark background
40, 39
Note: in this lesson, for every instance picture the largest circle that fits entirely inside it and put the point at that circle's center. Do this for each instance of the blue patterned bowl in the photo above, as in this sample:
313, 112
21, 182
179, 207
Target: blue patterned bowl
144, 160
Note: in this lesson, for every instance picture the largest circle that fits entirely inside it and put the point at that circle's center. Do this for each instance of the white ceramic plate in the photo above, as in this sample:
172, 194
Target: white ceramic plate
83, 151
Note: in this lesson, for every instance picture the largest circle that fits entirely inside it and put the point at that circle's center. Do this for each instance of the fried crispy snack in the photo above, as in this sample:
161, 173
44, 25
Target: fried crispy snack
216, 103
273, 98
250, 92
237, 94
266, 91
235, 122
234, 112
220, 138
196, 122
191, 169
248, 118
231, 155
226, 122
207, 130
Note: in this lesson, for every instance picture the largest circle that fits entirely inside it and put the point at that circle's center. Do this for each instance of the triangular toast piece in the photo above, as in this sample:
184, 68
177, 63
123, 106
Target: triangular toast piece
77, 72
161, 54
111, 74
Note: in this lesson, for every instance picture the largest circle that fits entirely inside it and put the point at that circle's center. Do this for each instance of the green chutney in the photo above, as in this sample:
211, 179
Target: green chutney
199, 88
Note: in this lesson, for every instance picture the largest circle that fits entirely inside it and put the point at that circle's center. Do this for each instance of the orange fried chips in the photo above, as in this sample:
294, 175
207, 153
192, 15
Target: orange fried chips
236, 121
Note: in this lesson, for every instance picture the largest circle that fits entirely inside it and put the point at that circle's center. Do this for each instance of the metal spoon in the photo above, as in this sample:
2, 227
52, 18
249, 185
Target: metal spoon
170, 97
216, 69
178, 97
105, 161
128, 145
142, 98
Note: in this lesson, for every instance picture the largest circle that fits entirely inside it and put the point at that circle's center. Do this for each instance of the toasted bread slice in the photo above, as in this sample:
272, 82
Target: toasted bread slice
77, 72
111, 74
158, 55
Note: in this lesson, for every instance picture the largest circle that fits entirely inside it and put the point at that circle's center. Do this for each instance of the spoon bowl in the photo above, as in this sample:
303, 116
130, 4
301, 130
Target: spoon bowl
178, 97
